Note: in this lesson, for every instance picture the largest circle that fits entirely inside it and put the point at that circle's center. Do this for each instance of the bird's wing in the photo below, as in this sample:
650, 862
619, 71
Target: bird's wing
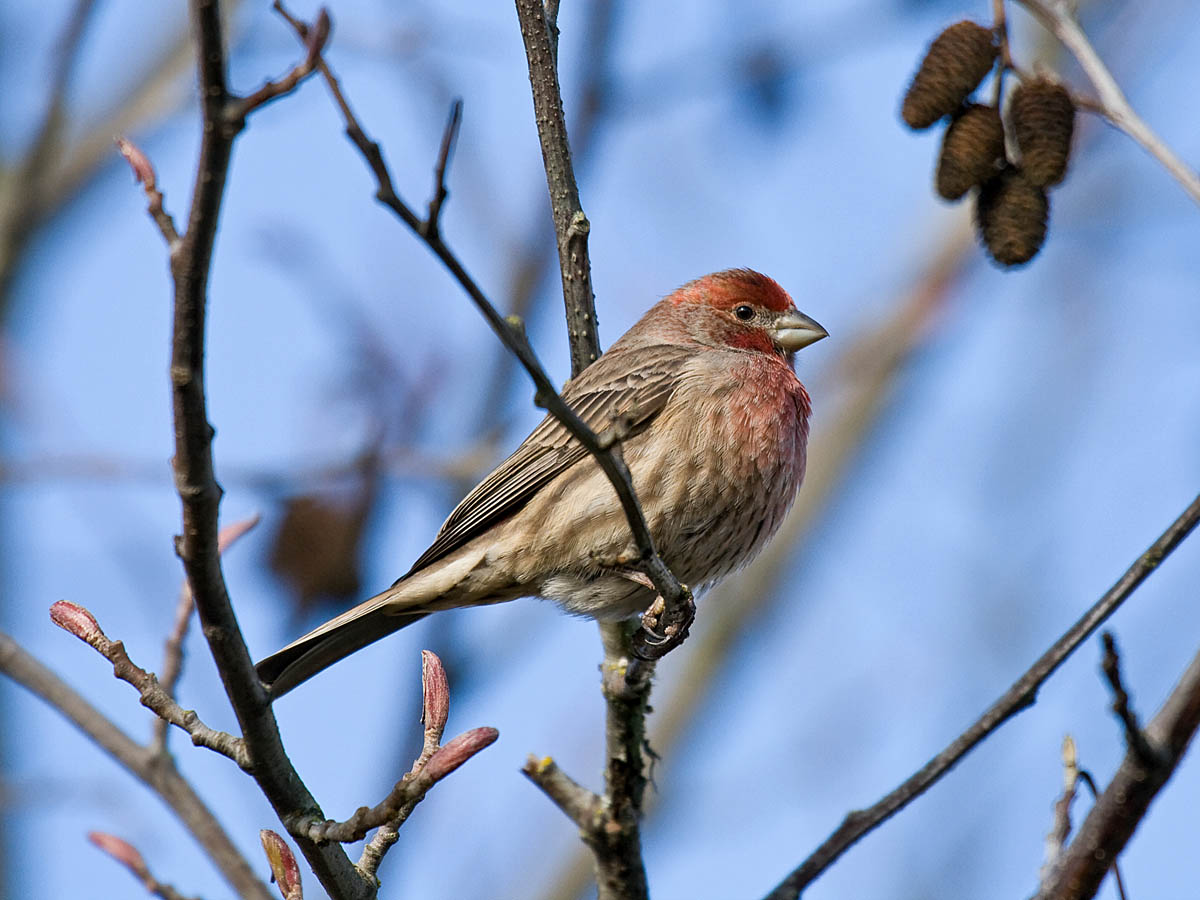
605, 390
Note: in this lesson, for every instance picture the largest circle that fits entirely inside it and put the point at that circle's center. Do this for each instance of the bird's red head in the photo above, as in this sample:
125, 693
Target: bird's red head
742, 309
725, 290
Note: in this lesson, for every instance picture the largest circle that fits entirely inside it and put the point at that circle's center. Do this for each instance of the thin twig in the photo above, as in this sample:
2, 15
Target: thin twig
81, 623
1135, 738
408, 790
172, 665
1086, 778
1004, 60
1058, 17
1060, 828
581, 806
435, 709
154, 770
143, 171
449, 136
1020, 696
314, 40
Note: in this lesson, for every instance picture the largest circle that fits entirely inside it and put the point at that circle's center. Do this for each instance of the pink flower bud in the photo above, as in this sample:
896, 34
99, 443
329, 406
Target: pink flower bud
120, 850
75, 619
436, 690
283, 864
143, 171
229, 534
458, 751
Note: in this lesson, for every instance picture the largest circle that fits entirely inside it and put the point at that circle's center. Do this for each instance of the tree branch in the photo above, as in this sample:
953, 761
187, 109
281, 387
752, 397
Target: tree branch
1059, 18
223, 117
408, 791
435, 709
1135, 738
1020, 696
155, 770
1123, 805
570, 224
81, 623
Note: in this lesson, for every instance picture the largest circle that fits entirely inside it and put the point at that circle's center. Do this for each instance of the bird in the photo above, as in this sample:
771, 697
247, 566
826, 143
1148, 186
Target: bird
714, 426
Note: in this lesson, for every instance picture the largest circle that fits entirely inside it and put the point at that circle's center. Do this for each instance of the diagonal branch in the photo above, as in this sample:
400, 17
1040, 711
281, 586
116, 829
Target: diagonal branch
1059, 18
1121, 808
153, 769
81, 623
1020, 696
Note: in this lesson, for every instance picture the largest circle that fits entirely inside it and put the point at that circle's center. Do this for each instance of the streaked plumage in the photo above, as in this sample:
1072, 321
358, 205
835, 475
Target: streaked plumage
716, 450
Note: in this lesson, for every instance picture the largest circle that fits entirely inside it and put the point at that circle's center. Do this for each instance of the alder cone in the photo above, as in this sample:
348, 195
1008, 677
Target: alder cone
1042, 114
1011, 213
954, 65
972, 151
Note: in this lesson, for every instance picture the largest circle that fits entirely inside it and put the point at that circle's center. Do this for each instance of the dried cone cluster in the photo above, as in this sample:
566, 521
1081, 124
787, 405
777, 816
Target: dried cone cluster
1011, 205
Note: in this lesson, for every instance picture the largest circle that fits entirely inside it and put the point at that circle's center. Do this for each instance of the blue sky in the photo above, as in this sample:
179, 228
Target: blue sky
1044, 431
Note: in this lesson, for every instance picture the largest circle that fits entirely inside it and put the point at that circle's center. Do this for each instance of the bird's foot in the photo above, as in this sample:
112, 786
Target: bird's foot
664, 627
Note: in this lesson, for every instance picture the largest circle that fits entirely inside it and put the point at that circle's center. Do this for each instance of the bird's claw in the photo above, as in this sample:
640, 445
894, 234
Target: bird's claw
664, 628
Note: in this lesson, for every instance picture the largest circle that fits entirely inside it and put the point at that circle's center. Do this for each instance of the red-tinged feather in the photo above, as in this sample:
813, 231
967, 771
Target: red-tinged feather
717, 431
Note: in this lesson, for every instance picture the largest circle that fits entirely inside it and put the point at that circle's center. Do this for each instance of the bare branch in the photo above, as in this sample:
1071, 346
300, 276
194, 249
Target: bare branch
435, 708
668, 628
1058, 17
1135, 738
173, 653
449, 137
408, 790
1123, 805
154, 770
581, 806
541, 52
314, 42
1060, 830
81, 623
1020, 696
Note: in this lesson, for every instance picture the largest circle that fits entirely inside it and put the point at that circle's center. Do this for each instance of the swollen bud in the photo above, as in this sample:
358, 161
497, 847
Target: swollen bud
284, 871
954, 65
1042, 114
972, 151
1011, 214
453, 754
435, 693
120, 850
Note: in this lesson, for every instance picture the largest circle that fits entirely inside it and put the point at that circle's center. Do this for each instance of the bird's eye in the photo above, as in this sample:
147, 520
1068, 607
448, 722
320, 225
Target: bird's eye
745, 313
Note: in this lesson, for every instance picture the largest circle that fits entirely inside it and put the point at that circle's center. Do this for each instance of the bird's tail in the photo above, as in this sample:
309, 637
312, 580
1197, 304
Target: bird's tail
337, 638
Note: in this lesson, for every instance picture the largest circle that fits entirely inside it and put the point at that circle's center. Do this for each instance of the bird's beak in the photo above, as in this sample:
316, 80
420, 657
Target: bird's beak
794, 330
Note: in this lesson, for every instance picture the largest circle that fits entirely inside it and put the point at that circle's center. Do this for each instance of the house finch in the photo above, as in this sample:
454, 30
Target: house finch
717, 429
